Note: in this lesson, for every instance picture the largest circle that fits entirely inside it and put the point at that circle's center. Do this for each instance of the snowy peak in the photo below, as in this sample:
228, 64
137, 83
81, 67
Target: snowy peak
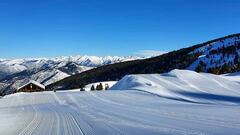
14, 73
17, 65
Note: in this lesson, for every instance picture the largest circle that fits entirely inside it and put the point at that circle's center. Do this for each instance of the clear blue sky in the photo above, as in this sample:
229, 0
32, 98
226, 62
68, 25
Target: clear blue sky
49, 28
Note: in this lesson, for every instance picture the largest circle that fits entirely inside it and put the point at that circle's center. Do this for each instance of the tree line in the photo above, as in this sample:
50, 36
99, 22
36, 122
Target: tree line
99, 87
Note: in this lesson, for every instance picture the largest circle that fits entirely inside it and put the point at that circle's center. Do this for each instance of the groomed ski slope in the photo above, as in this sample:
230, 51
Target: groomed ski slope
112, 112
131, 112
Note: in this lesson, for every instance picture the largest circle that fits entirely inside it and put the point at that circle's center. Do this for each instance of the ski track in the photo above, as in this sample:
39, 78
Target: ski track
112, 112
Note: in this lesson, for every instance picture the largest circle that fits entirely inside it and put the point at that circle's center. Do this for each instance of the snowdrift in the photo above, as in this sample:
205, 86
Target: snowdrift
185, 85
233, 76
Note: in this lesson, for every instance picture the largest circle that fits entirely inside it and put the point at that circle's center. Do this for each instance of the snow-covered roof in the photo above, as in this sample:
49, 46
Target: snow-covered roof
32, 82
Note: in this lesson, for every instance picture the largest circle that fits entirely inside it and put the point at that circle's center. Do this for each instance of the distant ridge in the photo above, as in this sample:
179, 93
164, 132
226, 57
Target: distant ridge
15, 72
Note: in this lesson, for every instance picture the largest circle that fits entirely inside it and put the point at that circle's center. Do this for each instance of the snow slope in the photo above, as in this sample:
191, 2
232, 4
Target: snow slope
127, 112
185, 85
233, 76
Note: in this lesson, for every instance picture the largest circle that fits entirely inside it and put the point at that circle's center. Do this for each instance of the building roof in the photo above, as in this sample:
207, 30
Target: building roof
32, 82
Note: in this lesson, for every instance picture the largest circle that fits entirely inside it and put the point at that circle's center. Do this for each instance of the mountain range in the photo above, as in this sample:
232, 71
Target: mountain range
16, 72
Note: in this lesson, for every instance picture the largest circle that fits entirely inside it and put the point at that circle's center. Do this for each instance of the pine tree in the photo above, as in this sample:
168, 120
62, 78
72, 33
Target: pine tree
236, 57
92, 88
99, 87
201, 67
213, 70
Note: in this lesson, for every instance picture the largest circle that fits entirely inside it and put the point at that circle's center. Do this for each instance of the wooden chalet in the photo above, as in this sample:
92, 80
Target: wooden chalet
31, 86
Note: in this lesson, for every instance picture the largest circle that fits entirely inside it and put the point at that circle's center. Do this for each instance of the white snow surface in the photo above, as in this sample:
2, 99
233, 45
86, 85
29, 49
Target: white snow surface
111, 113
233, 76
185, 85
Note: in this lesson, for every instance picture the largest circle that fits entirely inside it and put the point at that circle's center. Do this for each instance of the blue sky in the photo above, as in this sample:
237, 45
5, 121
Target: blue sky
49, 28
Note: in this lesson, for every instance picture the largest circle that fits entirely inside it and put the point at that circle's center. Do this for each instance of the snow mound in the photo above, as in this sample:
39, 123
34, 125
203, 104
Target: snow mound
233, 76
185, 85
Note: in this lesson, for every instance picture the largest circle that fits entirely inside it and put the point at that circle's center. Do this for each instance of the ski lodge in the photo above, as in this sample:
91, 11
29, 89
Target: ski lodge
31, 86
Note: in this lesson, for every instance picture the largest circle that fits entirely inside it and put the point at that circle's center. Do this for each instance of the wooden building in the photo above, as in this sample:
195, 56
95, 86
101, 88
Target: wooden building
31, 86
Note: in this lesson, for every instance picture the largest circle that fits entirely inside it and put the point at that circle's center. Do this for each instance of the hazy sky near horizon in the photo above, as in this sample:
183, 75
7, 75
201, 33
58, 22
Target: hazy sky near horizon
49, 28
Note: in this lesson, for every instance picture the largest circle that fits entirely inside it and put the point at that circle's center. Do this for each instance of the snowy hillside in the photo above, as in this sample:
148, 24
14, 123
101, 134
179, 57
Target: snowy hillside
221, 56
185, 85
15, 72
233, 76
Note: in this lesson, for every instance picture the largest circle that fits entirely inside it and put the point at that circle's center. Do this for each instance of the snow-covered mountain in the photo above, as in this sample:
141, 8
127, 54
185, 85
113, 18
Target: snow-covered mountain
220, 56
14, 73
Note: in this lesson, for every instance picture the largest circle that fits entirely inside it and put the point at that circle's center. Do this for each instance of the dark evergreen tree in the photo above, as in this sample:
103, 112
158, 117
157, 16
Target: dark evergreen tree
213, 70
201, 67
92, 88
236, 57
99, 87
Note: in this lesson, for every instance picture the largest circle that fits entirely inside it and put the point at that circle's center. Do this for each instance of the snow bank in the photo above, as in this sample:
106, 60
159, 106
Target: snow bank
185, 85
232, 76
